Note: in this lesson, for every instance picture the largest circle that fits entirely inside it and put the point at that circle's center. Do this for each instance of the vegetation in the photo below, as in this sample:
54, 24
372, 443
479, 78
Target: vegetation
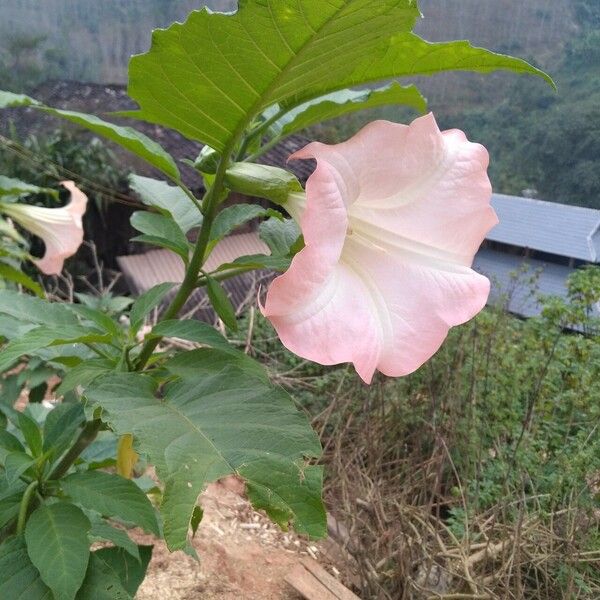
478, 474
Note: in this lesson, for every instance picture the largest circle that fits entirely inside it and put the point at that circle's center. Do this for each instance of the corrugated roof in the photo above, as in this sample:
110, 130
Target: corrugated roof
518, 282
571, 231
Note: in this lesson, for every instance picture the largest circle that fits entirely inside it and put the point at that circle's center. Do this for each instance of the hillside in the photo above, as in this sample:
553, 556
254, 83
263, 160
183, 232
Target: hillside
92, 41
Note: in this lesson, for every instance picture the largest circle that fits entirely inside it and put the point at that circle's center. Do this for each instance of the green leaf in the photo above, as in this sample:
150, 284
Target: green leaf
57, 545
102, 452
280, 236
131, 572
127, 137
32, 434
208, 77
101, 582
103, 531
100, 320
17, 188
83, 374
233, 216
10, 501
199, 430
160, 231
343, 102
15, 464
259, 261
196, 519
34, 310
146, 302
274, 488
111, 496
169, 199
211, 360
61, 425
20, 579
220, 302
41, 338
262, 181
192, 331
8, 443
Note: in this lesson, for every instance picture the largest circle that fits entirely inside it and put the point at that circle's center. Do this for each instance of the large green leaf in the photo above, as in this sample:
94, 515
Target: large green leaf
58, 546
127, 137
19, 579
209, 76
111, 496
343, 102
203, 429
17, 276
15, 464
168, 199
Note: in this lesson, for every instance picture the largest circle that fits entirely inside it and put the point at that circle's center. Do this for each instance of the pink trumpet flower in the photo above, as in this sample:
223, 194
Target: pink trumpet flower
61, 229
392, 219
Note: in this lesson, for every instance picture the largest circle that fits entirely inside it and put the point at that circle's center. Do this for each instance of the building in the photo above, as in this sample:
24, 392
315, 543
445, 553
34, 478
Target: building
540, 241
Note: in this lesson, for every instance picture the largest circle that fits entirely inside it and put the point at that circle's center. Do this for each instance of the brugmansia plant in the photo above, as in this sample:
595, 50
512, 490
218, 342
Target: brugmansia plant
376, 268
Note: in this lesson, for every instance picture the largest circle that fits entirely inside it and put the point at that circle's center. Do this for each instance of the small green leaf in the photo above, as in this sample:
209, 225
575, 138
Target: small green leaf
31, 433
17, 276
34, 310
17, 188
146, 302
170, 200
8, 443
280, 236
343, 102
259, 261
57, 545
160, 231
131, 572
15, 464
102, 452
101, 530
98, 319
233, 216
41, 338
211, 360
10, 502
61, 425
83, 374
20, 579
193, 331
101, 582
221, 303
111, 496
196, 519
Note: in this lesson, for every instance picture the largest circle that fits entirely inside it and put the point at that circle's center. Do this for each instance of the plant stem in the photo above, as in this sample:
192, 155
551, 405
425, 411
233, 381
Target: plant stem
86, 437
24, 507
210, 203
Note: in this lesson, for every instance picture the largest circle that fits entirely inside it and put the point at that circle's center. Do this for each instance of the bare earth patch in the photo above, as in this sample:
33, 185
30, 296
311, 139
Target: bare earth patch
243, 556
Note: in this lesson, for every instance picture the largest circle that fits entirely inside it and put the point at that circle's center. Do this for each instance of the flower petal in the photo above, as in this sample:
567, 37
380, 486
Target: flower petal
427, 188
393, 219
61, 229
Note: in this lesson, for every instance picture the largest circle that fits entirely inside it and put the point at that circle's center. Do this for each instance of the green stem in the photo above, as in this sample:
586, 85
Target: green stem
211, 202
24, 507
272, 143
86, 437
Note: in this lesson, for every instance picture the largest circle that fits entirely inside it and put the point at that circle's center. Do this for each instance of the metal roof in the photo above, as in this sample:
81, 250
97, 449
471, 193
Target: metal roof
519, 282
561, 229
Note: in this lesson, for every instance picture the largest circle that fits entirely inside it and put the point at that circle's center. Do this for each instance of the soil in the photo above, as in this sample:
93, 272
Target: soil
243, 556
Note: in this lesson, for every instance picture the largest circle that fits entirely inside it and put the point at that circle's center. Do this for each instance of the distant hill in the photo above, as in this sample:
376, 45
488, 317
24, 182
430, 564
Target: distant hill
92, 40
